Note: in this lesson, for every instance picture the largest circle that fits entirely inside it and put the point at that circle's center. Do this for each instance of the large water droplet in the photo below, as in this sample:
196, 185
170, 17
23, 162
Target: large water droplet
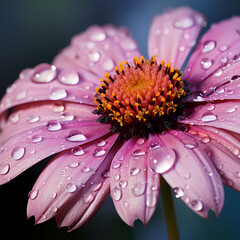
99, 152
77, 151
184, 23
209, 117
76, 136
44, 73
208, 46
138, 189
116, 194
68, 77
57, 94
165, 160
138, 152
206, 63
17, 153
178, 191
4, 169
71, 187
53, 125
197, 205
33, 194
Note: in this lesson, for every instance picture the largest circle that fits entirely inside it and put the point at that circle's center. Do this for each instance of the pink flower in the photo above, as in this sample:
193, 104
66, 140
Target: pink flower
147, 125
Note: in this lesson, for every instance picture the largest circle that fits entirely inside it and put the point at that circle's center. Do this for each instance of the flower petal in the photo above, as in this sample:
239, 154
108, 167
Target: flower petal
32, 115
223, 149
223, 115
216, 58
45, 82
98, 50
134, 187
173, 34
28, 147
72, 186
193, 178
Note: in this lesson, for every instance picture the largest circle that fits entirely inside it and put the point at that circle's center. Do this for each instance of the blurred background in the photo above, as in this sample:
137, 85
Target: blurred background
35, 31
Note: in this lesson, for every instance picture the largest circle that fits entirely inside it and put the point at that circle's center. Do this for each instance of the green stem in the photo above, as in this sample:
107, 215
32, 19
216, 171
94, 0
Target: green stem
169, 211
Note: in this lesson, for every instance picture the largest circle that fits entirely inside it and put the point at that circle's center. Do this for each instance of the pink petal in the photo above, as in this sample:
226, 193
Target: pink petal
134, 187
98, 50
28, 147
193, 178
221, 115
224, 151
45, 82
32, 115
173, 34
75, 184
215, 60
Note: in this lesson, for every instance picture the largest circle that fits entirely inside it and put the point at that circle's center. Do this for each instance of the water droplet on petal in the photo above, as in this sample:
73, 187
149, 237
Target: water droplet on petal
98, 36
123, 184
197, 205
197, 96
67, 117
17, 153
71, 187
44, 73
206, 63
33, 194
94, 57
14, 118
138, 152
36, 138
208, 46
178, 191
116, 165
151, 200
237, 174
86, 169
224, 59
99, 152
209, 117
88, 198
140, 141
184, 23
116, 194
223, 48
232, 109
236, 58
218, 73
205, 140
101, 143
76, 136
108, 65
74, 164
210, 107
138, 189
4, 169
134, 171
77, 151
164, 162
58, 108
187, 175
57, 94
53, 125
189, 143
117, 177
68, 77
33, 119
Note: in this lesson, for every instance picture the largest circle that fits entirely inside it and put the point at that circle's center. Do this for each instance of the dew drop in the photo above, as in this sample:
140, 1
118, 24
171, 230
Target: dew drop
74, 164
178, 191
184, 23
88, 198
117, 177
33, 119
14, 118
58, 108
53, 125
218, 73
86, 169
187, 175
116, 165
138, 152
57, 94
44, 73
33, 194
151, 200
68, 77
209, 117
76, 136
223, 48
210, 107
106, 174
140, 141
77, 151
189, 143
94, 57
138, 189
123, 184
206, 63
232, 109
164, 162
98, 36
99, 152
67, 117
224, 60
197, 205
18, 153
116, 194
205, 140
154, 145
4, 169
237, 174
208, 46
108, 64
71, 187
36, 138
134, 171
101, 143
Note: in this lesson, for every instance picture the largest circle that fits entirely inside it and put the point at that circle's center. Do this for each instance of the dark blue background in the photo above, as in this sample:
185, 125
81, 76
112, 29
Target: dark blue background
33, 32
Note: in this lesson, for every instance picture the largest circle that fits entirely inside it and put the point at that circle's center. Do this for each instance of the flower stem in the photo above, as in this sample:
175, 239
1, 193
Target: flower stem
169, 211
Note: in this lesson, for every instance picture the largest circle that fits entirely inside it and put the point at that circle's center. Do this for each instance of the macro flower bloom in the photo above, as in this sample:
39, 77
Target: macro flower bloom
115, 122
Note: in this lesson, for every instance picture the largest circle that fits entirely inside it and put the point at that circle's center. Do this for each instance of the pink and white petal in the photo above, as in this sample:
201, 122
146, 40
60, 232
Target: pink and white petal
28, 116
134, 186
223, 115
98, 49
75, 175
193, 177
215, 59
223, 149
173, 34
46, 82
28, 147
